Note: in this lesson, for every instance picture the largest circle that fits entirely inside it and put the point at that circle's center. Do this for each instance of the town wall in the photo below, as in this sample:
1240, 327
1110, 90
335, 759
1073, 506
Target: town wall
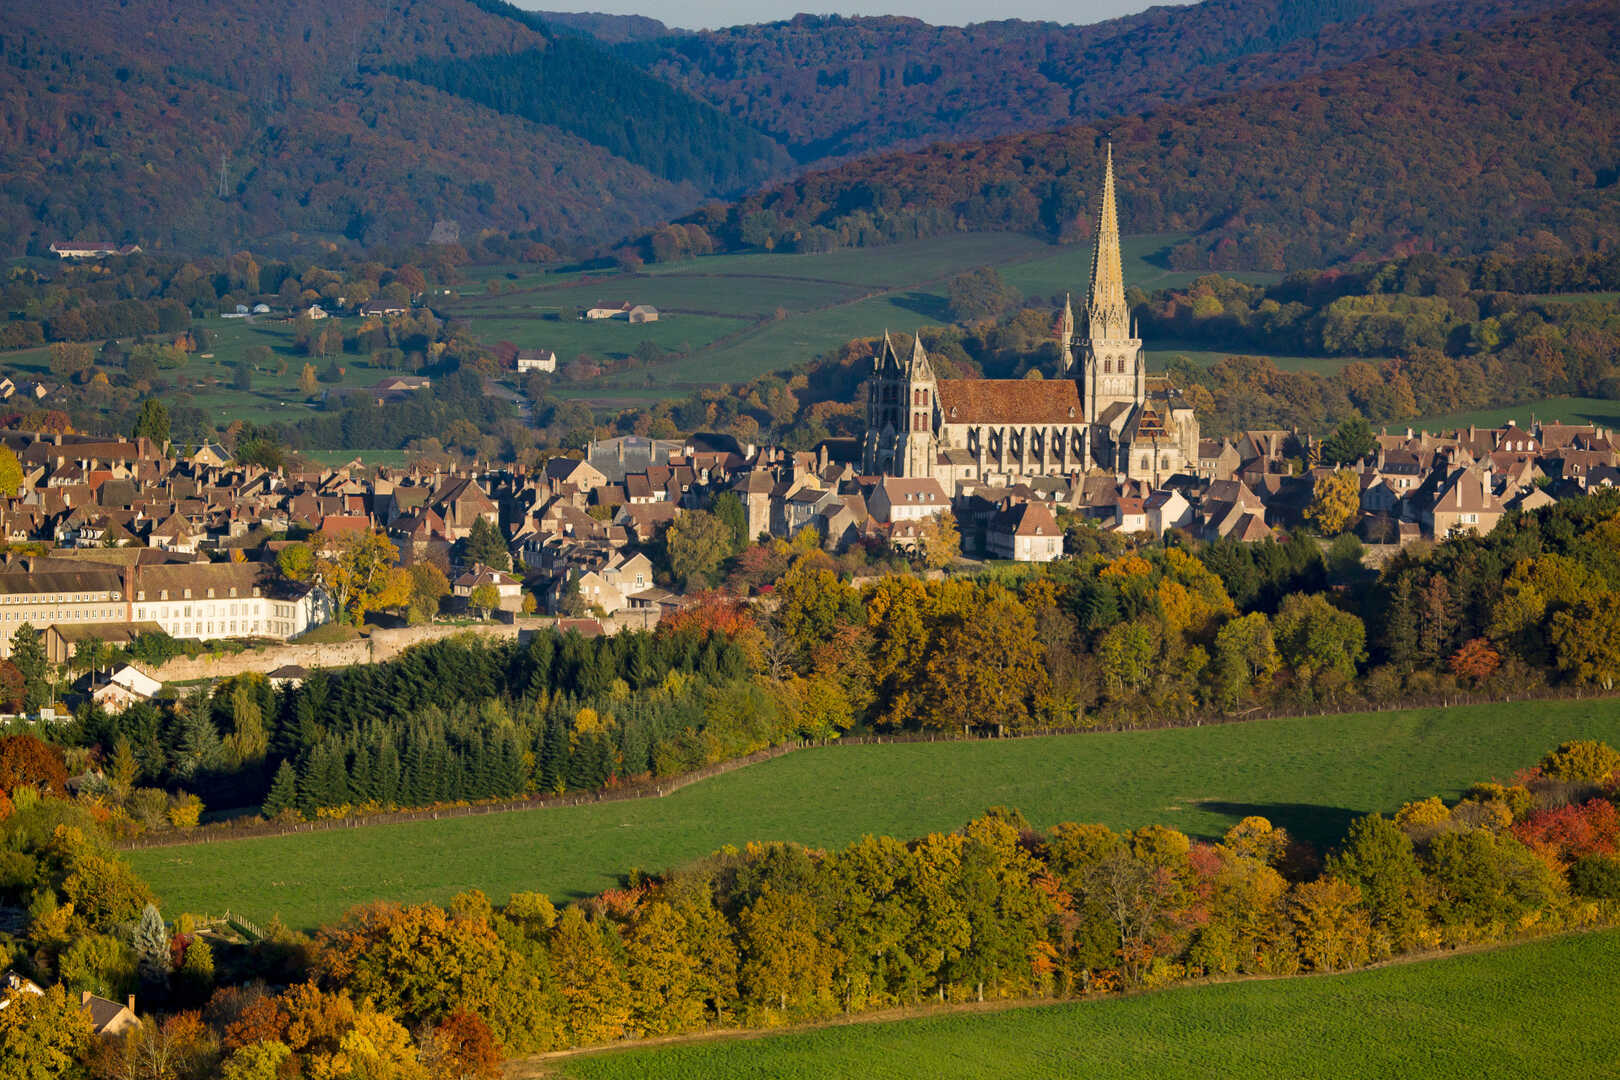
381, 644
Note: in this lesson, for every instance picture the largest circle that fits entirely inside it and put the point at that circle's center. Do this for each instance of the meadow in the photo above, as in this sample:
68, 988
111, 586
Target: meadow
1524, 1010
1568, 410
734, 317
1312, 775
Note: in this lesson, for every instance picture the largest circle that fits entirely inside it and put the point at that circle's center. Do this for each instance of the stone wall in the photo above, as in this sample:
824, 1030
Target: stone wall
379, 645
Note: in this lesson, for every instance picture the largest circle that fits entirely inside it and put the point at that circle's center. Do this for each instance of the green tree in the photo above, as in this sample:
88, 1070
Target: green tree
980, 295
152, 422
28, 653
728, 507
1586, 640
1245, 659
1379, 859
283, 794
696, 543
484, 544
1315, 637
485, 598
151, 942
1351, 441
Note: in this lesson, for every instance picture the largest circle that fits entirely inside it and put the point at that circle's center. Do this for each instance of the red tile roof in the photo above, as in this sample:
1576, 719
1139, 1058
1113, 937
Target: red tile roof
1010, 401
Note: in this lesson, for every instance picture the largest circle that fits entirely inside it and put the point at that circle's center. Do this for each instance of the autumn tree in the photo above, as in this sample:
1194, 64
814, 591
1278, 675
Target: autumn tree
589, 980
355, 569
1586, 640
43, 1036
1336, 502
11, 474
786, 965
985, 667
461, 1047
429, 585
484, 598
25, 760
938, 542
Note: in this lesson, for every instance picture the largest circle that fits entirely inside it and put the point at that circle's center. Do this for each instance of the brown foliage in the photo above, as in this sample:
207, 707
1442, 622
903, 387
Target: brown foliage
25, 760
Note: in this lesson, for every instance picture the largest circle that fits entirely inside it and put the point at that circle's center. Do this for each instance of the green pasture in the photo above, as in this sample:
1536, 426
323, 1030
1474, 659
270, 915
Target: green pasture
1160, 354
209, 374
1312, 775
739, 316
1544, 1008
1568, 410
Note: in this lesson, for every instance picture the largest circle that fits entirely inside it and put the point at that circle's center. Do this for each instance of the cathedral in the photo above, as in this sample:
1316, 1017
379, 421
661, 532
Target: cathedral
1101, 414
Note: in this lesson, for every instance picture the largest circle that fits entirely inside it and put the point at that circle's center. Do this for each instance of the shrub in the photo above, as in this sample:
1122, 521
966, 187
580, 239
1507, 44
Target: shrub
1596, 877
1585, 760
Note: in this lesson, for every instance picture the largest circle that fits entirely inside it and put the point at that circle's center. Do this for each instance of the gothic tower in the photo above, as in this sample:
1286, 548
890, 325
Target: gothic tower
1111, 366
900, 403
917, 453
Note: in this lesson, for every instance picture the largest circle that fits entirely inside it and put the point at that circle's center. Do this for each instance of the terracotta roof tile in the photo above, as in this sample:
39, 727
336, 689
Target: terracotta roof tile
1010, 401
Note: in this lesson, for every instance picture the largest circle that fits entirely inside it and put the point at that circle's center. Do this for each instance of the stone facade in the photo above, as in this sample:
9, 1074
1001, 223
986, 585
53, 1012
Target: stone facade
1102, 412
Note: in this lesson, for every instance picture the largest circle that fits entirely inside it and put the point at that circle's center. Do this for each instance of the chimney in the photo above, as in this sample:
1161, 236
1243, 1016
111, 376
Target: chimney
129, 1003
84, 998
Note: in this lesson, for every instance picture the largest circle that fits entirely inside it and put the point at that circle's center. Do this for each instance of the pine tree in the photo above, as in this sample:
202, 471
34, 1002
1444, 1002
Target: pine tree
554, 754
388, 773
151, 942
283, 792
28, 653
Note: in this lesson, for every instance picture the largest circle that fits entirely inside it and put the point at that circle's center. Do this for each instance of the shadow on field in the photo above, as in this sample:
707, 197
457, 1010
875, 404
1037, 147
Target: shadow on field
928, 305
1321, 826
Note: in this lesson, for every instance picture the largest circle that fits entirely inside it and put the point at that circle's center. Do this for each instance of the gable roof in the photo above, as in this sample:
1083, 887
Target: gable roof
1010, 401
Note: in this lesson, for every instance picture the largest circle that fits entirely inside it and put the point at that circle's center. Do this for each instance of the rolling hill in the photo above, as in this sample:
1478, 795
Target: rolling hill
832, 87
208, 125
1508, 135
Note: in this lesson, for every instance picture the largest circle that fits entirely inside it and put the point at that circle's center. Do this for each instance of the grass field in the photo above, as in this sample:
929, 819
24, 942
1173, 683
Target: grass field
1541, 1009
1161, 353
1600, 411
739, 316
1311, 774
725, 318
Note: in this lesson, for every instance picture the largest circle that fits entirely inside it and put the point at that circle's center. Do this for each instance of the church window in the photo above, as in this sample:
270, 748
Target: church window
1108, 367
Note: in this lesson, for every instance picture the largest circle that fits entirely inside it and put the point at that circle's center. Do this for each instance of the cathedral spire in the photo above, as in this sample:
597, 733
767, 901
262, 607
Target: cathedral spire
1106, 311
919, 369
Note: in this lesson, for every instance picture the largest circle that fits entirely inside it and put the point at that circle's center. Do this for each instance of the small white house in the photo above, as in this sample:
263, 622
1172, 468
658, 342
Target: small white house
124, 688
536, 360
907, 498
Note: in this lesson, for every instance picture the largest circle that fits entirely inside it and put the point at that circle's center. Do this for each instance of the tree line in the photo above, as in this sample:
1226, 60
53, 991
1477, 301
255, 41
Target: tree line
775, 932
1245, 173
